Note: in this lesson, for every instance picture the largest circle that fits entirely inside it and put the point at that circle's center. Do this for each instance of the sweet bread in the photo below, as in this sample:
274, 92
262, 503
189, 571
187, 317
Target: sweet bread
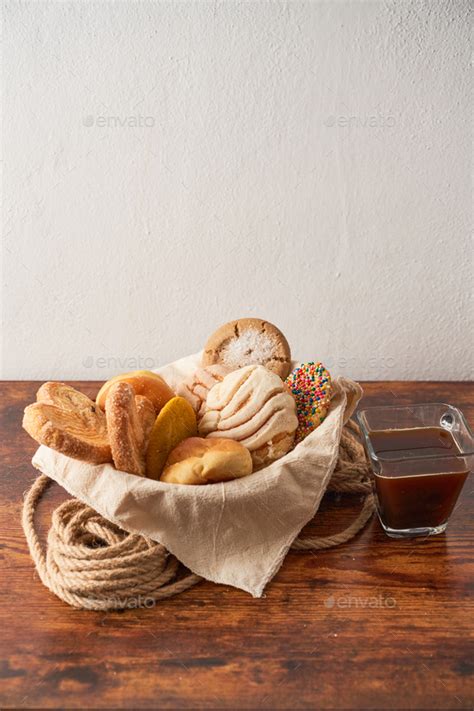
176, 422
249, 341
204, 461
69, 422
144, 382
146, 415
196, 388
64, 396
128, 425
275, 448
311, 387
253, 406
125, 429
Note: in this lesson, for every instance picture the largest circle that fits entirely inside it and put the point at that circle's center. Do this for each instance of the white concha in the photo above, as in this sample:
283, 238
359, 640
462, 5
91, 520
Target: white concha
253, 406
196, 388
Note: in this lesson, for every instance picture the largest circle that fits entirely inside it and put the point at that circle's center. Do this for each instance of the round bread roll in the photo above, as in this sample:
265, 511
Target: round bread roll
253, 406
204, 461
196, 388
143, 382
248, 341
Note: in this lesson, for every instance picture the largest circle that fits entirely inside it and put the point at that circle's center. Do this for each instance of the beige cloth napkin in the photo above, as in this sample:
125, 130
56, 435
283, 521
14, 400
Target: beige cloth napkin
236, 533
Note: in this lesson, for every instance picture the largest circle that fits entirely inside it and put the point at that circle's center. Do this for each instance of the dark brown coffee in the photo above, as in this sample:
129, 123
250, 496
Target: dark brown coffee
416, 487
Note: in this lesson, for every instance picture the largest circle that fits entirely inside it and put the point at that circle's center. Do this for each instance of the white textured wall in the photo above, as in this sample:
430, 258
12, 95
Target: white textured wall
171, 166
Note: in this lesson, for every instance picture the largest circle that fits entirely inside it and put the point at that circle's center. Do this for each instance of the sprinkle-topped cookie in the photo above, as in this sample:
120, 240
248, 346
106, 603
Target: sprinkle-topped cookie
311, 387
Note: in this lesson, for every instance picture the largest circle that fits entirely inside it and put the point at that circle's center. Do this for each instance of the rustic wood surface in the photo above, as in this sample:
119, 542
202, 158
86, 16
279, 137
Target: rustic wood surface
375, 623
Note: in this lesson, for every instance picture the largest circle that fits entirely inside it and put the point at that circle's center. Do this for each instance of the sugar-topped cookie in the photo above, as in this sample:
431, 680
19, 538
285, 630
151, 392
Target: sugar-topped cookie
249, 341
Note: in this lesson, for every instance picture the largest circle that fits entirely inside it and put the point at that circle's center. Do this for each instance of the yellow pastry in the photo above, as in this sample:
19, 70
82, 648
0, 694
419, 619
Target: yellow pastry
176, 422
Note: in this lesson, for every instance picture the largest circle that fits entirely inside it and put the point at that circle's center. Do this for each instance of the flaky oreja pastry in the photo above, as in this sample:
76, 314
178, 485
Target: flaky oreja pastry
69, 422
130, 419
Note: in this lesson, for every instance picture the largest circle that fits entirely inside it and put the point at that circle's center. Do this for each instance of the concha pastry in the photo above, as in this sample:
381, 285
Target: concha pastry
196, 388
253, 406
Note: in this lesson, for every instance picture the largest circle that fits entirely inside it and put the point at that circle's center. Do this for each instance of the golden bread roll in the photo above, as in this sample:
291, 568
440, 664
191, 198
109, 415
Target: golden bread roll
253, 406
143, 382
196, 388
69, 422
204, 461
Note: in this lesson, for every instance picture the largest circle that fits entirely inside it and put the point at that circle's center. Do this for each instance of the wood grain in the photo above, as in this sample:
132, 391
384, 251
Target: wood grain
375, 623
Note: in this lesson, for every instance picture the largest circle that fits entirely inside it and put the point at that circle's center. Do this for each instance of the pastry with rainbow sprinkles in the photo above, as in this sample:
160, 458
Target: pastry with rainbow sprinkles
311, 386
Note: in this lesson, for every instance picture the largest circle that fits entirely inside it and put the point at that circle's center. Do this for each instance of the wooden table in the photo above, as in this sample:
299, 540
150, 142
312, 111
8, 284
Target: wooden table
375, 623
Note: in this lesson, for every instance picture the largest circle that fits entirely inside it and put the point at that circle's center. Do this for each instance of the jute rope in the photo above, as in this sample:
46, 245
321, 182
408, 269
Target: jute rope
351, 476
91, 563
